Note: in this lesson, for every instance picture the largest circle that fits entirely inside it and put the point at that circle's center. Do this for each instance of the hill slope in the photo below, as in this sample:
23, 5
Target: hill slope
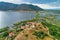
10, 6
34, 33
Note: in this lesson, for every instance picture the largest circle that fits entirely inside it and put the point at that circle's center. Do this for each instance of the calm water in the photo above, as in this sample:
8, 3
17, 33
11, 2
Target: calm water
10, 17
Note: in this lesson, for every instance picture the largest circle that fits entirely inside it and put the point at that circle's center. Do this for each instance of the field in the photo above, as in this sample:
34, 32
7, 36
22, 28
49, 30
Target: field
41, 28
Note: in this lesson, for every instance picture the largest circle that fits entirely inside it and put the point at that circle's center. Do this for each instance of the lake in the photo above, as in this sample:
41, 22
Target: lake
8, 18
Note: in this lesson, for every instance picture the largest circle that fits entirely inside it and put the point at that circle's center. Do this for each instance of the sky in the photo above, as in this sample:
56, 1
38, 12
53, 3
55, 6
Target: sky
45, 4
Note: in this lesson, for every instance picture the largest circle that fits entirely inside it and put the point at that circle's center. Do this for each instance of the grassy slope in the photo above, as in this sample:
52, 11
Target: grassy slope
54, 30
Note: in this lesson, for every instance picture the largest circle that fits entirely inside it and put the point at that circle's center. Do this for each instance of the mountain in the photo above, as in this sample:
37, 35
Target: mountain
10, 6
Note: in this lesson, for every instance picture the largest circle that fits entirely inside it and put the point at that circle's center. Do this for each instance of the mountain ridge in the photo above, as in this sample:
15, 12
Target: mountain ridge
10, 6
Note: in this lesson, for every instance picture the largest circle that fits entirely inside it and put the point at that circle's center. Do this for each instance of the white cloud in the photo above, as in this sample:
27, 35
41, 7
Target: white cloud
27, 3
13, 1
7, 0
47, 6
16, 1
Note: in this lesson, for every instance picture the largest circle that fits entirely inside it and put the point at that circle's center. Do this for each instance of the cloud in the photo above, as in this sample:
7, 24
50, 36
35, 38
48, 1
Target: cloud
31, 1
57, 3
40, 1
7, 0
13, 1
47, 6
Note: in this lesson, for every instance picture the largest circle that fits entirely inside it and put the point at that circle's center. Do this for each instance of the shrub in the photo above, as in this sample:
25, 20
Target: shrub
39, 34
26, 35
4, 34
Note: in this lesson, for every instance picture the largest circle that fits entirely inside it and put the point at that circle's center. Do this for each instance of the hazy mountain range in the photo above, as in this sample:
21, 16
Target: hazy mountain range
10, 6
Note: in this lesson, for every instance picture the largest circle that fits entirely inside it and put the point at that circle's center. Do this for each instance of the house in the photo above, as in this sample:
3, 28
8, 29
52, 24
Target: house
32, 24
11, 34
23, 27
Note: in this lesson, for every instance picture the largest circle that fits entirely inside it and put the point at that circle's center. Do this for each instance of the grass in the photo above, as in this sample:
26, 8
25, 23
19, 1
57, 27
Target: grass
53, 29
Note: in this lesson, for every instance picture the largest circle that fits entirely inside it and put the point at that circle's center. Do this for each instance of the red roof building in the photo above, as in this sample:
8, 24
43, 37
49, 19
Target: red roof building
11, 34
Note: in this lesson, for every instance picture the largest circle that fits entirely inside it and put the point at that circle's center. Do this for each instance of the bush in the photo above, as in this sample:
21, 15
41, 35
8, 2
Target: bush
39, 34
53, 29
26, 35
4, 29
4, 34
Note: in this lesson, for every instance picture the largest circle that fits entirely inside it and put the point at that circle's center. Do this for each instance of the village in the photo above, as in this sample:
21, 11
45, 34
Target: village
29, 28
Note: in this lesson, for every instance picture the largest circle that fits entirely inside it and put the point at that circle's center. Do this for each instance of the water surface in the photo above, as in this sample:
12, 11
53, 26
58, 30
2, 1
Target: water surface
8, 18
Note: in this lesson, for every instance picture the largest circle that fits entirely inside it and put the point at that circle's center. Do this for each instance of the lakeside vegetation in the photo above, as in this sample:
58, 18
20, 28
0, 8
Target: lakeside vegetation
54, 30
